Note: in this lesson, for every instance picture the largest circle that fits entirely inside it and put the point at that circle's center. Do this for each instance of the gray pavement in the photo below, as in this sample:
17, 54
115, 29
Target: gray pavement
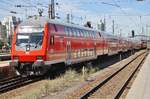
140, 88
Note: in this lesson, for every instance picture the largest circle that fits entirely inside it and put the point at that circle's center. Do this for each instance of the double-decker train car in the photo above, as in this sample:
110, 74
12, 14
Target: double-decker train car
38, 43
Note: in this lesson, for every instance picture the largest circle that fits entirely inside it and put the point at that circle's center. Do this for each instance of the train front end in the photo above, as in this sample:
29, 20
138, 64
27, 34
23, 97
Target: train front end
29, 48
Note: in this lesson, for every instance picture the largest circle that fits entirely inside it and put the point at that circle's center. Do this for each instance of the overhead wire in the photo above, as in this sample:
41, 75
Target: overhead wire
124, 12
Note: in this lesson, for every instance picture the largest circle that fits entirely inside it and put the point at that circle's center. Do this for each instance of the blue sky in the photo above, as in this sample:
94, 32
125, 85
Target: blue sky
125, 13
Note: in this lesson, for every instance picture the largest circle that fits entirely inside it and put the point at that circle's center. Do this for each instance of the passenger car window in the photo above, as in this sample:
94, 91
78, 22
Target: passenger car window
70, 32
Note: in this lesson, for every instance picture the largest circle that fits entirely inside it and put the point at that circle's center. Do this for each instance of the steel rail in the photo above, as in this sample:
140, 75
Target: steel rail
2, 81
17, 82
121, 90
90, 92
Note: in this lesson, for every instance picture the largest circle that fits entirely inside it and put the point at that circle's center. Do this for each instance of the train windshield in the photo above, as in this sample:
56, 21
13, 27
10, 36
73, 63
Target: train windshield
32, 40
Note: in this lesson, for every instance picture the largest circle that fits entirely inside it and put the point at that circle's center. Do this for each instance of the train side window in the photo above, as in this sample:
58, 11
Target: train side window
70, 31
52, 40
92, 33
66, 31
78, 32
75, 32
89, 34
81, 33
85, 34
95, 34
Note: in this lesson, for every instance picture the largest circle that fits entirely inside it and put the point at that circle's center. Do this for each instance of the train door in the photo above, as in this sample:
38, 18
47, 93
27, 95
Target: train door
68, 52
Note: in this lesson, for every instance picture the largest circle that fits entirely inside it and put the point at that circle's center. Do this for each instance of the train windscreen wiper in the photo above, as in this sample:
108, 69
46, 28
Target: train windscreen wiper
38, 43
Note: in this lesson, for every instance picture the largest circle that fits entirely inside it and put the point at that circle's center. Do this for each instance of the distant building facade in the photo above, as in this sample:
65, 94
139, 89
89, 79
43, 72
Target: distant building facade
2, 32
10, 23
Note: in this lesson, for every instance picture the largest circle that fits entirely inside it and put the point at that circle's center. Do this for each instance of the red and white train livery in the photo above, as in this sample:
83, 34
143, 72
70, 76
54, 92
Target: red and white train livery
39, 43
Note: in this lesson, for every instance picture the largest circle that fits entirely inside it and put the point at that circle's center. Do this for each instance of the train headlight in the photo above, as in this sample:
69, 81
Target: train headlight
39, 57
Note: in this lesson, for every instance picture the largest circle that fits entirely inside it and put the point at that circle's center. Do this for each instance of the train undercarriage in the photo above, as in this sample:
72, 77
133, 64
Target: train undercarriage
30, 68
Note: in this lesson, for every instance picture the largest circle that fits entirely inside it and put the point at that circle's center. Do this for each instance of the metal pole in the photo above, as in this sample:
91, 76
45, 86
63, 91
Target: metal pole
104, 24
113, 27
51, 9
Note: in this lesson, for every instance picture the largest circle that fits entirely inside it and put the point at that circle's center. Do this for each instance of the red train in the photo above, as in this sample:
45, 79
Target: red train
38, 43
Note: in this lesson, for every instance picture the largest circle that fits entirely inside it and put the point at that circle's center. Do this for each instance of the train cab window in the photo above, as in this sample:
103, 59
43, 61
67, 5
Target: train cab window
52, 40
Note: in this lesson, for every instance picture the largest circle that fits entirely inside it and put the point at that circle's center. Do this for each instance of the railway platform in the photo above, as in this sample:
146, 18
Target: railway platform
140, 88
4, 64
5, 56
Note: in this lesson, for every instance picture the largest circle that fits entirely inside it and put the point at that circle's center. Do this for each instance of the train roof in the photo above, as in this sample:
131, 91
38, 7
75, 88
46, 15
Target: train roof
41, 21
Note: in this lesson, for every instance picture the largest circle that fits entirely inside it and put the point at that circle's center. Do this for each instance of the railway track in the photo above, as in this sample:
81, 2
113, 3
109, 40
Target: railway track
15, 82
113, 86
